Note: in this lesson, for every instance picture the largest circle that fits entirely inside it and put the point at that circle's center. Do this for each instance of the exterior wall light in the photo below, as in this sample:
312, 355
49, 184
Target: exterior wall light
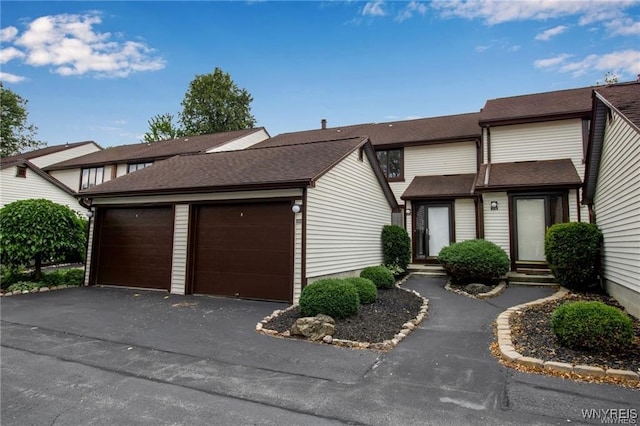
296, 208
494, 205
89, 214
407, 212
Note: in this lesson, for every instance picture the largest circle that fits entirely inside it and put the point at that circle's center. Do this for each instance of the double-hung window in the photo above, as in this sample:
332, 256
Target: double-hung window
91, 177
391, 161
137, 166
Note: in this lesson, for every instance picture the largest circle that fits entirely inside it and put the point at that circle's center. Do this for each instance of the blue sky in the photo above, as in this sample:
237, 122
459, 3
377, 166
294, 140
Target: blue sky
100, 70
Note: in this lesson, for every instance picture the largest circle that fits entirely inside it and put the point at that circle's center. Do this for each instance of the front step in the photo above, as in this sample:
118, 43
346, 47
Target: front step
430, 270
535, 278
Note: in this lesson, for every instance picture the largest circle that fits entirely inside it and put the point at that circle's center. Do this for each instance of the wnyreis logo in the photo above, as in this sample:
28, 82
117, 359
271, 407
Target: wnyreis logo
612, 416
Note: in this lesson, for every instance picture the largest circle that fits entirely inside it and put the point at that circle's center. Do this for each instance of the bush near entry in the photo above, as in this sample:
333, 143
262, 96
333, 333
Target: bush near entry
573, 254
381, 276
474, 261
367, 291
396, 249
591, 325
330, 296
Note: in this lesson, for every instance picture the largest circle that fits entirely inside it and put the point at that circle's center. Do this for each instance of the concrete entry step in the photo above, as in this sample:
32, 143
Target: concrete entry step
424, 269
538, 278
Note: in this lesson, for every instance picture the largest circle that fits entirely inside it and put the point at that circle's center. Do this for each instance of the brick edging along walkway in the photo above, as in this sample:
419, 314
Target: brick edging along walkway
508, 352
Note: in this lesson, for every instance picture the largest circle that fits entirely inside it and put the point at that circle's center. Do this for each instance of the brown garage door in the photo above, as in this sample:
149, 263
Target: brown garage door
244, 250
134, 247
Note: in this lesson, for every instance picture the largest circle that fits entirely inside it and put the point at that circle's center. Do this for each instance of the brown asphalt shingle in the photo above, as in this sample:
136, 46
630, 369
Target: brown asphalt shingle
292, 165
153, 151
537, 105
529, 174
440, 186
625, 98
456, 127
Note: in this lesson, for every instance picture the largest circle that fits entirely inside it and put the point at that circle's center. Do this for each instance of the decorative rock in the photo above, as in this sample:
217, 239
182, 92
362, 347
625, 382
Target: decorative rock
623, 374
327, 339
259, 326
477, 288
531, 362
587, 370
408, 325
44, 289
286, 333
34, 290
558, 366
7, 294
315, 328
511, 355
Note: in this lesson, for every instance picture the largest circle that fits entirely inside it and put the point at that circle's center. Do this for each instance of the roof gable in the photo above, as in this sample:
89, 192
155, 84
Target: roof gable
528, 174
623, 97
18, 158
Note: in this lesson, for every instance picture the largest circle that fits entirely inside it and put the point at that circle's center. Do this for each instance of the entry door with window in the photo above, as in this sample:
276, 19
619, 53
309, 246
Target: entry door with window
533, 215
432, 230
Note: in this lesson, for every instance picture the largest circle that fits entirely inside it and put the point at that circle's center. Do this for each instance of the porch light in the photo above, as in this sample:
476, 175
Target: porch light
296, 208
494, 205
407, 212
89, 213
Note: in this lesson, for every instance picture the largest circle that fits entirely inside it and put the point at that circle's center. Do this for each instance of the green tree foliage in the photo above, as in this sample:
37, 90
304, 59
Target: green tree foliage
396, 248
214, 103
16, 135
161, 128
39, 231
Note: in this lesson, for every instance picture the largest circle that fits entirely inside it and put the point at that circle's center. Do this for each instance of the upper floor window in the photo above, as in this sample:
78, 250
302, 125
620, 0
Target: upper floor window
91, 177
21, 171
391, 161
137, 166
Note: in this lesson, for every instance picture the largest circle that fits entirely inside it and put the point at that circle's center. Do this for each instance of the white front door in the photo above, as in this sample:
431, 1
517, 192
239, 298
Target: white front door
432, 230
533, 215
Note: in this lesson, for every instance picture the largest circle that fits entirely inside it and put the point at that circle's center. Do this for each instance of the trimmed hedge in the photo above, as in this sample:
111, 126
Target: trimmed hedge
396, 249
593, 326
367, 291
330, 296
381, 276
573, 254
474, 261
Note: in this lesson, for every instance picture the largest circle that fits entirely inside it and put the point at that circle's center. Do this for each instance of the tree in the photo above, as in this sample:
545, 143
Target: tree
214, 103
161, 128
15, 134
609, 78
40, 231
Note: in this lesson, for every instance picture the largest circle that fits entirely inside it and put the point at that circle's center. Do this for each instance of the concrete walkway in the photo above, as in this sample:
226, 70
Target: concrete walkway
106, 356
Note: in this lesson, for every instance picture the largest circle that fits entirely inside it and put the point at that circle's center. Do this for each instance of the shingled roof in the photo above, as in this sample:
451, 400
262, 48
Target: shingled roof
441, 186
528, 174
13, 160
153, 151
623, 97
537, 107
406, 132
290, 166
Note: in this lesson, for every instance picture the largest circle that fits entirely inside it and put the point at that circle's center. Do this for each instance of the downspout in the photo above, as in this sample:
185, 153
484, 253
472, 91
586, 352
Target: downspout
303, 256
488, 145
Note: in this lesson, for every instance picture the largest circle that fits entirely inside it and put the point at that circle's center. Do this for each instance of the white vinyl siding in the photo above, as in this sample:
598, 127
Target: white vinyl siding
180, 242
346, 211
496, 222
550, 140
69, 177
13, 188
121, 169
432, 160
297, 257
243, 142
617, 204
67, 154
465, 219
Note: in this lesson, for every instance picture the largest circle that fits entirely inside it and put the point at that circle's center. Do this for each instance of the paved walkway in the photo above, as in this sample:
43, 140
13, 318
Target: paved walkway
94, 355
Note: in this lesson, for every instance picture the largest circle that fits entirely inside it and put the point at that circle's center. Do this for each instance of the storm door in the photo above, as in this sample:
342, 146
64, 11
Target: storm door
432, 230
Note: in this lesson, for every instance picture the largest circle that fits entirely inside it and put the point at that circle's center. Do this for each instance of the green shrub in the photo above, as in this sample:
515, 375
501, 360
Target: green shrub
24, 285
380, 275
573, 254
54, 278
334, 297
396, 249
474, 261
11, 275
367, 291
74, 277
591, 325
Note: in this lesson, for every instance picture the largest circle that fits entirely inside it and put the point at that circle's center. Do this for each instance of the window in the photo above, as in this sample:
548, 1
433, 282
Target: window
21, 171
137, 166
391, 161
91, 177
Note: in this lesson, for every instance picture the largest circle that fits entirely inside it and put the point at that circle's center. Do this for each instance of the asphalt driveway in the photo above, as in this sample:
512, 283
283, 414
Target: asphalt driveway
118, 356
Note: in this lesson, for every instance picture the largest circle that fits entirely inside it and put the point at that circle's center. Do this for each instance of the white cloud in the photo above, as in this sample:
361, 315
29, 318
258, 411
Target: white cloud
374, 8
624, 26
410, 9
10, 53
551, 32
620, 63
69, 45
7, 34
11, 78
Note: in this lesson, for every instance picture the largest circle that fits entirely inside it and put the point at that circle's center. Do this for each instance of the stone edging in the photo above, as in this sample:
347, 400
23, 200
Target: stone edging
496, 291
38, 290
387, 345
508, 352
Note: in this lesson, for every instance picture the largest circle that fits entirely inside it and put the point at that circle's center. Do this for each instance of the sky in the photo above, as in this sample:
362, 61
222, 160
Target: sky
100, 70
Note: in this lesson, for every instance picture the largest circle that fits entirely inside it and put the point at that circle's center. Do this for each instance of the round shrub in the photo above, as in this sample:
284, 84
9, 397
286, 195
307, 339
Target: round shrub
74, 277
330, 296
591, 326
396, 249
380, 275
367, 291
573, 254
474, 261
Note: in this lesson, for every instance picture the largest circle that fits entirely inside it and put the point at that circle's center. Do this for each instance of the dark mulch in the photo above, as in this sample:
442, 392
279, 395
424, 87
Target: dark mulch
374, 323
532, 336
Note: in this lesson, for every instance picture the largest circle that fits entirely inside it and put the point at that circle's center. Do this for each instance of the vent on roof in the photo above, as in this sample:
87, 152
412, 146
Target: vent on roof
323, 123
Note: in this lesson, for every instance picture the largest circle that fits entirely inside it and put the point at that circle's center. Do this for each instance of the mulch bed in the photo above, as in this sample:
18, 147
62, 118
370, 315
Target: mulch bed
532, 336
374, 323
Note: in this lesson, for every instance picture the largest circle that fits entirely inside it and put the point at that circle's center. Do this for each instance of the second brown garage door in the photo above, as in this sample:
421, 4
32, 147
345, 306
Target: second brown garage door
133, 247
244, 250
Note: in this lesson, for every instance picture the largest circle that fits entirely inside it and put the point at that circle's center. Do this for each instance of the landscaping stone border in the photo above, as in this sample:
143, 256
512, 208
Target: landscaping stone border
38, 290
384, 346
508, 352
496, 291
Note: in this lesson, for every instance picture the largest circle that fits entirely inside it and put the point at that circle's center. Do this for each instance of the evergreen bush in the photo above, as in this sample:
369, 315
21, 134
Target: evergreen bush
330, 296
367, 291
474, 261
381, 276
396, 249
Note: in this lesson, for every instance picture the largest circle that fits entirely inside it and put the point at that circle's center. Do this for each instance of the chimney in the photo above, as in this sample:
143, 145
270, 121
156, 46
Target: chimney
323, 123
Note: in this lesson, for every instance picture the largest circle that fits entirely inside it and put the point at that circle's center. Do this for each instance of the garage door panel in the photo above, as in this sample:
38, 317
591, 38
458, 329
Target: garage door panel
244, 250
135, 247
